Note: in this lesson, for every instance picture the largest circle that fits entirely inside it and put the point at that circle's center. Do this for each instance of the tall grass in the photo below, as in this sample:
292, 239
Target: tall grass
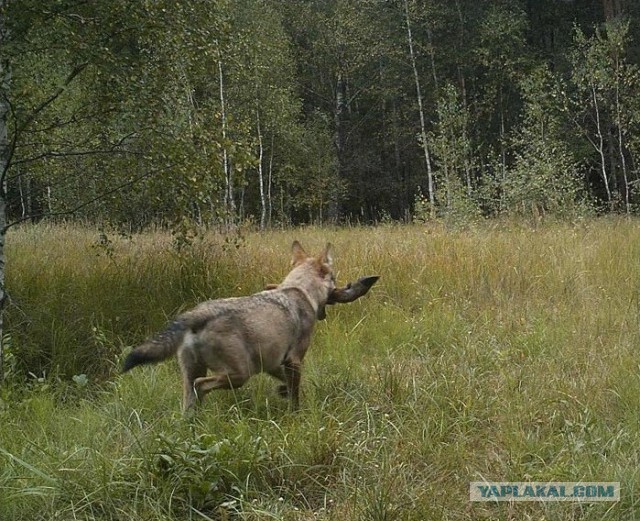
500, 352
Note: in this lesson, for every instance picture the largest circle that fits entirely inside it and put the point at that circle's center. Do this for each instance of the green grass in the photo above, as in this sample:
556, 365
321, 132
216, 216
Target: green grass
499, 352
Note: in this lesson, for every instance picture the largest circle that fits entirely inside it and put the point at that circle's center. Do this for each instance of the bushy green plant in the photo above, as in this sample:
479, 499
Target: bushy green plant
544, 178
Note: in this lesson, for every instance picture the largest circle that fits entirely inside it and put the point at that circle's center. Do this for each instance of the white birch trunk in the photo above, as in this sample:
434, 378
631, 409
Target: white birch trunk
623, 161
270, 182
600, 148
229, 203
263, 203
423, 126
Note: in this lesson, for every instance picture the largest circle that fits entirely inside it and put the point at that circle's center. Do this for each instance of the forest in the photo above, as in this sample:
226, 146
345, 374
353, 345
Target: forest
273, 113
481, 157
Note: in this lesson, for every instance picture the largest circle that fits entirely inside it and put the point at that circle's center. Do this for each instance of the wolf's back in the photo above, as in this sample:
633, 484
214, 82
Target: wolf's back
160, 347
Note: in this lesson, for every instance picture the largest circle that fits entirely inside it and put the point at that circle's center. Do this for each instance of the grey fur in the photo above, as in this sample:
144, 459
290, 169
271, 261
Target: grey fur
236, 338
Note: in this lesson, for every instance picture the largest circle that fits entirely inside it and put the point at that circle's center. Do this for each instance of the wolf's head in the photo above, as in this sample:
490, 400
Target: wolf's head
312, 274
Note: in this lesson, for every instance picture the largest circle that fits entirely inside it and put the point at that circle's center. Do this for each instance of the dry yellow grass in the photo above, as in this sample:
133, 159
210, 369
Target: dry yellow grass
499, 352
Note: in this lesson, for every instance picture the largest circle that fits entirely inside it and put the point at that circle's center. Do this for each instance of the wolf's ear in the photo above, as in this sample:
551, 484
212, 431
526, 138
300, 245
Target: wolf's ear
298, 253
326, 257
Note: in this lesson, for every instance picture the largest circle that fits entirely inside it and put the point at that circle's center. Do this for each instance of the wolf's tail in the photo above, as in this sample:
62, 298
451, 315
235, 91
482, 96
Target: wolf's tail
160, 347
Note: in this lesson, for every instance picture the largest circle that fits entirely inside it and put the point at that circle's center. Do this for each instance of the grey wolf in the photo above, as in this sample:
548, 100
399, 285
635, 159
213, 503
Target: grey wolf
236, 338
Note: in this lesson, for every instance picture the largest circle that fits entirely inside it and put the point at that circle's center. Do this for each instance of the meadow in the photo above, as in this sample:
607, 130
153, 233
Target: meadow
499, 352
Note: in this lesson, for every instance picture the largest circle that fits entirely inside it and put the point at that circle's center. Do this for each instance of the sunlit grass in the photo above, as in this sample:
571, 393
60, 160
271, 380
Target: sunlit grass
499, 352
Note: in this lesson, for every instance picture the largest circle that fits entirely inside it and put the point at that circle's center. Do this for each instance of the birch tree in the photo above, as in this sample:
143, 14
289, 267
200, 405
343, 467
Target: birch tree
260, 100
544, 177
229, 200
502, 54
453, 151
603, 86
421, 112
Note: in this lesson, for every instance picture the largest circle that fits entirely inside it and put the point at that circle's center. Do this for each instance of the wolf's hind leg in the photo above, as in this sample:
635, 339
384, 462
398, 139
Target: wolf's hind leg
206, 384
191, 371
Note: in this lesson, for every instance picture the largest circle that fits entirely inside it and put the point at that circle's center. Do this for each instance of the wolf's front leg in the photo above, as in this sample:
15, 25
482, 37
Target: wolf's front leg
292, 371
279, 373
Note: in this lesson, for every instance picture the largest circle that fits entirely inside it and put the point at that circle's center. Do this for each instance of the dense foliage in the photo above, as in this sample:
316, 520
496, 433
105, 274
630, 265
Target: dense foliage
313, 110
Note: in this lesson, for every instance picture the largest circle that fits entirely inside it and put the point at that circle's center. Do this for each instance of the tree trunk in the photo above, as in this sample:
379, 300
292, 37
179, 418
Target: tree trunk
613, 9
423, 126
229, 203
5, 81
503, 137
338, 116
600, 148
621, 147
263, 203
463, 90
397, 156
270, 181
25, 197
432, 56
